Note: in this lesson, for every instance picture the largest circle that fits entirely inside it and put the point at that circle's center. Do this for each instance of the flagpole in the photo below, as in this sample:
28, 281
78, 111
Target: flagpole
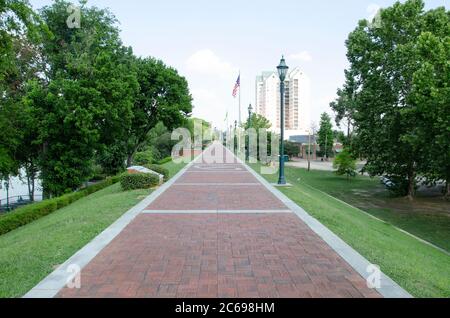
240, 88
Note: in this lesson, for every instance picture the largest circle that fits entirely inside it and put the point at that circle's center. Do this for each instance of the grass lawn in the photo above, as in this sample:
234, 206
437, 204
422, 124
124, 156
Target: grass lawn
420, 269
28, 254
425, 217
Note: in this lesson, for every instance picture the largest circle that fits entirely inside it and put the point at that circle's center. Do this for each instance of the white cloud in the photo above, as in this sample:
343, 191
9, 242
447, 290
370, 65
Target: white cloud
207, 62
209, 105
302, 56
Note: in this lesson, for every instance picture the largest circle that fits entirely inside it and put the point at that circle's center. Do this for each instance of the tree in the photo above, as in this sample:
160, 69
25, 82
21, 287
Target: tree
163, 97
386, 88
325, 135
258, 123
345, 164
431, 95
86, 99
344, 106
19, 31
291, 149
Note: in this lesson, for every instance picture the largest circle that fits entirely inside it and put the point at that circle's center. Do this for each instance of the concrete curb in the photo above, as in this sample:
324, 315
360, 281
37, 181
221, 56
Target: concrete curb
50, 286
389, 288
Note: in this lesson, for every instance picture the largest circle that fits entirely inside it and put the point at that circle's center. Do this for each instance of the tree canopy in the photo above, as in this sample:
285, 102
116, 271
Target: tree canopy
77, 97
396, 93
325, 135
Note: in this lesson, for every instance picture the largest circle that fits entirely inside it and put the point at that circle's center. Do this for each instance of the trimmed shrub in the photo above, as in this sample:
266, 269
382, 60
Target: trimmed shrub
143, 158
165, 160
32, 212
138, 181
26, 215
160, 170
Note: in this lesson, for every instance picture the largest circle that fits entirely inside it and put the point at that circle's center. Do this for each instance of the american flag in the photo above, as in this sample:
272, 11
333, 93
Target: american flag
237, 86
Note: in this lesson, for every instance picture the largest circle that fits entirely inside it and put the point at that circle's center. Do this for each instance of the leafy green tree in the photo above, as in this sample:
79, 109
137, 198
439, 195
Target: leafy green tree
291, 149
87, 98
19, 32
345, 164
344, 106
431, 97
391, 66
325, 135
163, 97
258, 122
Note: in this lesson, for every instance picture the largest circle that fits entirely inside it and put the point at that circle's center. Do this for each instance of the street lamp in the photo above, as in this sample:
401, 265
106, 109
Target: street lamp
247, 154
282, 72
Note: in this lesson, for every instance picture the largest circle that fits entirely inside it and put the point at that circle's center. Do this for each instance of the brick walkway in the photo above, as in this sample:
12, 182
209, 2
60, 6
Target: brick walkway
218, 232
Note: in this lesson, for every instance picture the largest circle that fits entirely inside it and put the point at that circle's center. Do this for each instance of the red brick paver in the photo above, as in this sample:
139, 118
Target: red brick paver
218, 255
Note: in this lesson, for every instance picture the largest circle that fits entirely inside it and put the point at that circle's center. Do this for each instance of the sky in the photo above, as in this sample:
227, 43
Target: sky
210, 41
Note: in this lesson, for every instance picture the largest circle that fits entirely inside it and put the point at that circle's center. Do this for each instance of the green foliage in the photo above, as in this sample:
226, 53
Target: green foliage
396, 93
161, 170
85, 105
32, 212
163, 97
138, 181
165, 160
345, 164
197, 123
258, 122
291, 149
430, 94
26, 215
74, 98
143, 158
19, 59
326, 136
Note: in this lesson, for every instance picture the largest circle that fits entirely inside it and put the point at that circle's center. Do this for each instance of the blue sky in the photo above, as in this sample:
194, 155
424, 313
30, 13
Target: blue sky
209, 41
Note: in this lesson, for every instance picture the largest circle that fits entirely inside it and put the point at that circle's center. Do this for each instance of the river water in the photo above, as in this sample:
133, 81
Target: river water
18, 187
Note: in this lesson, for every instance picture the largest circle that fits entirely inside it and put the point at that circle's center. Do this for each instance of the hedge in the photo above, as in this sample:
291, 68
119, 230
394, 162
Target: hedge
161, 170
138, 181
32, 212
165, 160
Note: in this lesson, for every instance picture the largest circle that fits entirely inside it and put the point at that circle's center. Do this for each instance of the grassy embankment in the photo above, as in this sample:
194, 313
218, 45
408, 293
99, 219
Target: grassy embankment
419, 268
29, 253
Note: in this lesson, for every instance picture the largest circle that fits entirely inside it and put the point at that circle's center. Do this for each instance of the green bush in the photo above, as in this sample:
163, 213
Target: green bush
27, 214
165, 160
345, 164
143, 158
160, 170
138, 181
32, 212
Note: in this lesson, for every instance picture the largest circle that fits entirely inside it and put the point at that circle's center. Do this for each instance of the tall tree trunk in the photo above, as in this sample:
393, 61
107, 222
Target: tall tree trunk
447, 189
31, 178
411, 184
129, 160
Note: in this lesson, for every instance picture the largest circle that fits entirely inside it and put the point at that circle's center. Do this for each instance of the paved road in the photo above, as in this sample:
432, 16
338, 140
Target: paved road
218, 232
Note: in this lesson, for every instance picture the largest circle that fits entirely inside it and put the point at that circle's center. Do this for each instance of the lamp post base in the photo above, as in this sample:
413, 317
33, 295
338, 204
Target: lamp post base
282, 185
281, 181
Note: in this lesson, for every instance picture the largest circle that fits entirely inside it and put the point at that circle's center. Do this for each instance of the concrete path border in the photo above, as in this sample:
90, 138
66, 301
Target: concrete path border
58, 279
389, 288
53, 283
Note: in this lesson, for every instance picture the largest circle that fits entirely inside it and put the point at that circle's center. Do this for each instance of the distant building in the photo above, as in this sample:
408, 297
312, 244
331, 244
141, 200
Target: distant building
297, 101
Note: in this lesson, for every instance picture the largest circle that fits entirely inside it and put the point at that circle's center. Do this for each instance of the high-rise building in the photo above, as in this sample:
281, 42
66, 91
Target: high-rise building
297, 101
